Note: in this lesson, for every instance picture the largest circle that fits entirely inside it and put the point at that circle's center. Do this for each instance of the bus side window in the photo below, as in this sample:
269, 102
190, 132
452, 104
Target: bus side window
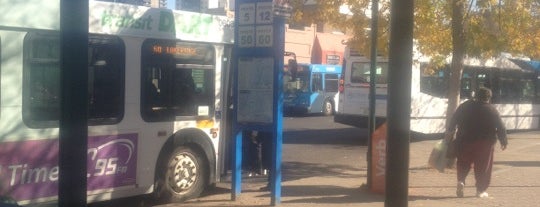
466, 87
152, 84
536, 99
382, 73
316, 82
331, 83
527, 91
0, 75
155, 93
106, 79
41, 80
183, 91
510, 88
183, 76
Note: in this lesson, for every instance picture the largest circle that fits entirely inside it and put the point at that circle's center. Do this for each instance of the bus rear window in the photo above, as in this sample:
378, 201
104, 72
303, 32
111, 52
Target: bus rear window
360, 72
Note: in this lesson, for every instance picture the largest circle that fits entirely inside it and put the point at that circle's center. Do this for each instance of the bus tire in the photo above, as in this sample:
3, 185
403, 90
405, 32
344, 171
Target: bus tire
328, 108
184, 176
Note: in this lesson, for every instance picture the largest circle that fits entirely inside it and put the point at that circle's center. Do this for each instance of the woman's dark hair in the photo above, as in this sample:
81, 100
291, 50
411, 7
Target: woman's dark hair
483, 94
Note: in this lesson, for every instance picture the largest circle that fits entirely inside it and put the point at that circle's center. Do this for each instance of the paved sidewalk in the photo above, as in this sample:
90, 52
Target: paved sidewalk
515, 182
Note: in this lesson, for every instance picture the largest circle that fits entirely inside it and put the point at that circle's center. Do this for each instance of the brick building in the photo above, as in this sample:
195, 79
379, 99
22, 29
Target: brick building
311, 46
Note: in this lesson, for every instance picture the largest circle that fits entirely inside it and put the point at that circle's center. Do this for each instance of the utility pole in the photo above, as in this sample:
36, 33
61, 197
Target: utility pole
372, 77
74, 103
399, 102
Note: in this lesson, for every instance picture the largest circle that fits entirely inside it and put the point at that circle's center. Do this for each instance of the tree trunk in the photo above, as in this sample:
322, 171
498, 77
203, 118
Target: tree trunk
458, 54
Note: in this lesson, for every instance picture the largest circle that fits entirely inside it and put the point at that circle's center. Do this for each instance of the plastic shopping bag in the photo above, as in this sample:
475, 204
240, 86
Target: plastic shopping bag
438, 159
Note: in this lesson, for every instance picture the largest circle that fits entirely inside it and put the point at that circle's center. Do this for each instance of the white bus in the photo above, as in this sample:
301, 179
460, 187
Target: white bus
516, 92
156, 105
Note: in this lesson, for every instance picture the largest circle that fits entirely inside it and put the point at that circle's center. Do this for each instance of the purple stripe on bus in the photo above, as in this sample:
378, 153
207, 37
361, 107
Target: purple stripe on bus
29, 169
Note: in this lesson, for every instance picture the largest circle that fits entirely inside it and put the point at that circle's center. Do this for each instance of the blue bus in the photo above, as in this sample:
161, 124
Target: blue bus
310, 89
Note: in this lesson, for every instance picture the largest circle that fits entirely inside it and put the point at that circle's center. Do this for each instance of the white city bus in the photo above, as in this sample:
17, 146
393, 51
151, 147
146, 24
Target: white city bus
516, 92
156, 105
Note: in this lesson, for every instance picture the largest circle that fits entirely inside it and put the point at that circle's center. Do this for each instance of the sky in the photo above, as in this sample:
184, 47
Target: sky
170, 4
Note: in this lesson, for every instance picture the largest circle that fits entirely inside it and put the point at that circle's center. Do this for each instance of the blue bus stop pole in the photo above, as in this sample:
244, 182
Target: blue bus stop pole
236, 152
237, 165
279, 50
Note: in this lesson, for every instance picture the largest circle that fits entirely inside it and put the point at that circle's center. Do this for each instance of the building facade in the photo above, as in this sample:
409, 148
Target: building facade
311, 46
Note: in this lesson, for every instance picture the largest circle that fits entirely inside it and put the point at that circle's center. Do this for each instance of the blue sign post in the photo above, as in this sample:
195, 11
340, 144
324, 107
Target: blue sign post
258, 86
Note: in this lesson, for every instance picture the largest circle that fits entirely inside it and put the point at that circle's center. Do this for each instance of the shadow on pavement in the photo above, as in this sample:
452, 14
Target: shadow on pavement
300, 170
329, 194
414, 198
518, 163
347, 136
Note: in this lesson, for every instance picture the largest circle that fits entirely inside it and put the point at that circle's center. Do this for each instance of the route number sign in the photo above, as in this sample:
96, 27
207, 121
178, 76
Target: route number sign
264, 13
247, 14
255, 25
246, 36
264, 36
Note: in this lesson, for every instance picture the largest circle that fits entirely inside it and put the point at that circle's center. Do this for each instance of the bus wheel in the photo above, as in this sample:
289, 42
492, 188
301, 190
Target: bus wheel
328, 108
185, 176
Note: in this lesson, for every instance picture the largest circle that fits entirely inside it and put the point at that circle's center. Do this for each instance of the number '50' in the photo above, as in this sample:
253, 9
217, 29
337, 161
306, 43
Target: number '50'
246, 40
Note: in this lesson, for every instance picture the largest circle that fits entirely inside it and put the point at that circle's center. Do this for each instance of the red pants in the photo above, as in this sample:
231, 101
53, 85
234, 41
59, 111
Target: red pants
477, 153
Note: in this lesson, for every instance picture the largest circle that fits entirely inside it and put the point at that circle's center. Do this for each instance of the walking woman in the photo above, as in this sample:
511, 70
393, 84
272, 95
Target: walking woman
479, 125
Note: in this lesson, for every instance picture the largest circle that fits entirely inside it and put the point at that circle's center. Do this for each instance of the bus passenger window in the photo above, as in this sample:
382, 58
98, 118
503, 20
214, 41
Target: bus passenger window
0, 74
536, 84
467, 90
178, 80
331, 83
317, 82
152, 88
105, 79
41, 80
183, 91
382, 73
527, 91
192, 89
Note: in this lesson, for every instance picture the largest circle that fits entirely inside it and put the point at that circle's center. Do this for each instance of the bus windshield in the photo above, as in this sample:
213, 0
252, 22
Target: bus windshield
311, 88
299, 82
